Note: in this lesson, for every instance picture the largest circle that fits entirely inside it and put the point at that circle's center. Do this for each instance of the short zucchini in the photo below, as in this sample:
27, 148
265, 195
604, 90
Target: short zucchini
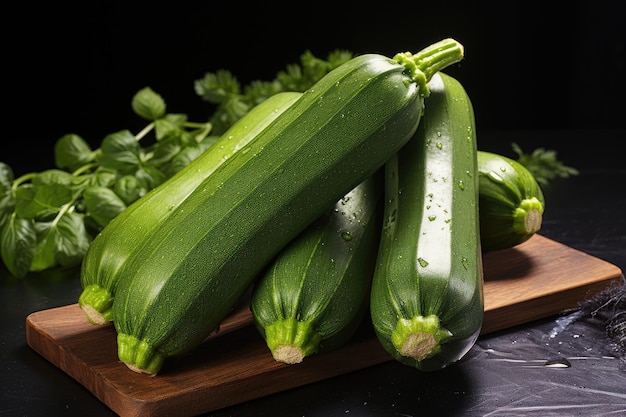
427, 291
314, 295
511, 202
186, 276
126, 232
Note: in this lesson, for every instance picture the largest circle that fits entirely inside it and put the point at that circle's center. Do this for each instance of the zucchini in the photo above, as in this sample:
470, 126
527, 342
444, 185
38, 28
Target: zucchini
126, 232
186, 276
511, 202
427, 292
315, 294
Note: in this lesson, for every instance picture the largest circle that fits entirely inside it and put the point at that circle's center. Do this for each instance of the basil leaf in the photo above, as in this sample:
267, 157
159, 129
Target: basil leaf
6, 196
62, 242
164, 151
18, 240
170, 125
102, 204
32, 201
103, 178
121, 152
148, 104
150, 176
6, 177
129, 189
72, 152
54, 176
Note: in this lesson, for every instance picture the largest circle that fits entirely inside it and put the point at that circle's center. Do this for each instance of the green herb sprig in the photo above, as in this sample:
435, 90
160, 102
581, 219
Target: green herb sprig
543, 164
49, 218
233, 100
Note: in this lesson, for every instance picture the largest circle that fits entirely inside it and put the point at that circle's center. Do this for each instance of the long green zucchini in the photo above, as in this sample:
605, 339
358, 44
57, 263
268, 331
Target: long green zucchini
187, 275
511, 202
126, 232
314, 295
427, 299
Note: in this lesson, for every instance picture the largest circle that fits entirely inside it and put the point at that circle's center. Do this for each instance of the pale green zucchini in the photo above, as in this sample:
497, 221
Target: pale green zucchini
427, 292
125, 234
314, 295
186, 276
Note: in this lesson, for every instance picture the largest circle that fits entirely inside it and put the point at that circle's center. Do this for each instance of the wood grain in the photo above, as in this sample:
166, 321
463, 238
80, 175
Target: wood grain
534, 280
540, 278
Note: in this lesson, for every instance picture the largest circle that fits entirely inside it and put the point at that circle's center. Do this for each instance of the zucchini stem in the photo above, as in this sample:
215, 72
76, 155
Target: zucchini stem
424, 64
419, 337
528, 217
138, 355
97, 303
291, 340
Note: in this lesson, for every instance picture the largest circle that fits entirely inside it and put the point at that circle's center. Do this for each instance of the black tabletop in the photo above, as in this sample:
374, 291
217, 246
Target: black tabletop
504, 374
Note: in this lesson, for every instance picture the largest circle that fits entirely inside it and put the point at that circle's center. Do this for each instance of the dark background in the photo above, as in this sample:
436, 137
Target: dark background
74, 69
550, 77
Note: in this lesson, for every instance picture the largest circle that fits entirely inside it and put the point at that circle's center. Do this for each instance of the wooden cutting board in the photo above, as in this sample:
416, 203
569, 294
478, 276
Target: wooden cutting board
534, 280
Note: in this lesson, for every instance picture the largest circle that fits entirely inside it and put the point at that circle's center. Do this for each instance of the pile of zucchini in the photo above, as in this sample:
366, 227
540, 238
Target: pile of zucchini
359, 196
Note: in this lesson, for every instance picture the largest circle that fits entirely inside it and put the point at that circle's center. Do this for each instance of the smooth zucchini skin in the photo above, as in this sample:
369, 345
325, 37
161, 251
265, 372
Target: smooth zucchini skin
315, 293
189, 273
511, 202
427, 292
126, 232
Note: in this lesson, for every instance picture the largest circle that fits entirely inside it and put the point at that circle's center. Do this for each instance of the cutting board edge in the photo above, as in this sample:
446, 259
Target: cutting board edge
544, 304
128, 405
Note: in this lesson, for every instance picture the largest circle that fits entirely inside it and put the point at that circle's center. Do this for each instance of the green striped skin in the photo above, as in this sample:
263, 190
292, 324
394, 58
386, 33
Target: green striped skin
511, 202
189, 273
427, 292
314, 295
126, 232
